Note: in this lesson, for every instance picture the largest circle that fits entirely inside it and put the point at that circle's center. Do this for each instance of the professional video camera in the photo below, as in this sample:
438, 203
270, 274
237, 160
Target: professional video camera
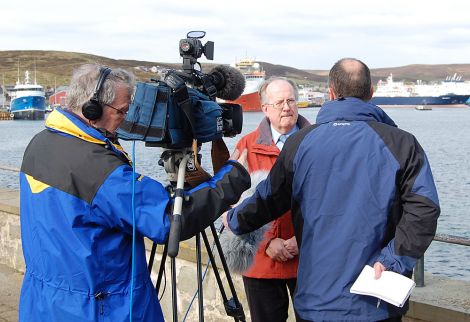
182, 108
179, 114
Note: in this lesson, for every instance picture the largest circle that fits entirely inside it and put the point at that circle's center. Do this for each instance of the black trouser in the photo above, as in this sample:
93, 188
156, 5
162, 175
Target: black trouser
268, 299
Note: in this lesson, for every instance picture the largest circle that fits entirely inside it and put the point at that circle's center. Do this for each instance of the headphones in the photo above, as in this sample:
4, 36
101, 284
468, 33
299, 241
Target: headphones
93, 109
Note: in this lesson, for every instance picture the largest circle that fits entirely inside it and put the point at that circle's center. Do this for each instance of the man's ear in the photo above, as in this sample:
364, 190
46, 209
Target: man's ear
264, 108
371, 93
331, 93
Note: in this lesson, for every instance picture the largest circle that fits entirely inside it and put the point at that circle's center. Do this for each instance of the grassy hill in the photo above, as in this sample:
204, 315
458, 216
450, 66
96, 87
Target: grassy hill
55, 68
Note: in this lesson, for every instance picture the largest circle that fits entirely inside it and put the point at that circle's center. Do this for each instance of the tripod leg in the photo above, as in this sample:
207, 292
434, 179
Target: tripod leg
200, 294
233, 306
162, 265
174, 297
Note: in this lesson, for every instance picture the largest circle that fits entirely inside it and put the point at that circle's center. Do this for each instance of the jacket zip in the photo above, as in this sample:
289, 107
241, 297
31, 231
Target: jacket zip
100, 297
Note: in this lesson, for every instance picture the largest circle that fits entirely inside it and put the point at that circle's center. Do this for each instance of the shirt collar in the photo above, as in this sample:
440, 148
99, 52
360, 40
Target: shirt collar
276, 134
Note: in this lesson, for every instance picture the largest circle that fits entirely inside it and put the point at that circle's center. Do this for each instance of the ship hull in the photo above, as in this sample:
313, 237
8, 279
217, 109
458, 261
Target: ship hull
250, 102
28, 108
421, 100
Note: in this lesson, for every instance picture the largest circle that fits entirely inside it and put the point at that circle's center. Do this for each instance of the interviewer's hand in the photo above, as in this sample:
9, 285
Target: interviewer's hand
240, 157
225, 221
379, 268
277, 251
291, 246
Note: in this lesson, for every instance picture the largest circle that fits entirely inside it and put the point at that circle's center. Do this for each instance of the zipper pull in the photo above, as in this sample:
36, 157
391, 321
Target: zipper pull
100, 297
378, 303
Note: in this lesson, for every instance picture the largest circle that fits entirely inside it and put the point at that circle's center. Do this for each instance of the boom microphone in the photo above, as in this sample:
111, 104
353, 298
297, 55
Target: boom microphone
228, 81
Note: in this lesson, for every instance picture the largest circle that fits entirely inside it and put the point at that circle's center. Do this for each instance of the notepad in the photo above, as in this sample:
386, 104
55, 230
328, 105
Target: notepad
390, 287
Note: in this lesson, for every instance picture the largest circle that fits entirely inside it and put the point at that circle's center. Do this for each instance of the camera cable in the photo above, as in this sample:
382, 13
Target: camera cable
133, 233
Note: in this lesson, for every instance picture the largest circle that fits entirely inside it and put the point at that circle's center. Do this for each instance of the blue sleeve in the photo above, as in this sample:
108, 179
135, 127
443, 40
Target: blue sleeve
207, 201
113, 202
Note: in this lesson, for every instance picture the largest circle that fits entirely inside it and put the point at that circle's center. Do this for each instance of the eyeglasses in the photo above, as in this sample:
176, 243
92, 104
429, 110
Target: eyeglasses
120, 112
280, 104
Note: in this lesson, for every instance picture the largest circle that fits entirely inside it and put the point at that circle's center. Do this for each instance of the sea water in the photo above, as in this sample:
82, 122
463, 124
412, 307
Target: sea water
444, 133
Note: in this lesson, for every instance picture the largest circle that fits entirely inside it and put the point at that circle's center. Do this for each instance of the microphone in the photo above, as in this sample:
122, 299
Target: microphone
229, 82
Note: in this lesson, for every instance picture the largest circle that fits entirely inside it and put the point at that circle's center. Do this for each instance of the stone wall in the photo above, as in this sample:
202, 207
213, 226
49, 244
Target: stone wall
11, 253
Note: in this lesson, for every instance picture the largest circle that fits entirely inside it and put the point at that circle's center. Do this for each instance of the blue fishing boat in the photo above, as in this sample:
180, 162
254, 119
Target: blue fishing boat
28, 100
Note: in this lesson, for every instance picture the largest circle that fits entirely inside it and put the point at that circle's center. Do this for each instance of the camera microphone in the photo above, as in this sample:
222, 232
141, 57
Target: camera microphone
229, 82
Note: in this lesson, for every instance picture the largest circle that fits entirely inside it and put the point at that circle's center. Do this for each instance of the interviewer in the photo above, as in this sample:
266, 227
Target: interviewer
76, 209
361, 192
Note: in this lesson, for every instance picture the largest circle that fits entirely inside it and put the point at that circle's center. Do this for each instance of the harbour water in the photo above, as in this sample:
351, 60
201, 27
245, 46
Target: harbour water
444, 134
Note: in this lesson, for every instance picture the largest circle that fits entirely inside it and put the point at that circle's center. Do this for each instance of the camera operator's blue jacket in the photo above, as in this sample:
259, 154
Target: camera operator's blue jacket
361, 190
76, 224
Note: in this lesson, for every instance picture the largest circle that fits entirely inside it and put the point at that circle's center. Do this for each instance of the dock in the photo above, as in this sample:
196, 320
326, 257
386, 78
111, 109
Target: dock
6, 116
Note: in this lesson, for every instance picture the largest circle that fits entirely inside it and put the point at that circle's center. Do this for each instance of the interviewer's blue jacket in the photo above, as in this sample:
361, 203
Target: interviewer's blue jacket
76, 224
361, 190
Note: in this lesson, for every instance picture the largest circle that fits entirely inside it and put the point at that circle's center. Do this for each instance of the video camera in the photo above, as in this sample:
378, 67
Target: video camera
174, 112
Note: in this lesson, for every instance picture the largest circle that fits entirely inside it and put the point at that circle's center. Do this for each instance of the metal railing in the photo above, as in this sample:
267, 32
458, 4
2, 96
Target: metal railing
419, 269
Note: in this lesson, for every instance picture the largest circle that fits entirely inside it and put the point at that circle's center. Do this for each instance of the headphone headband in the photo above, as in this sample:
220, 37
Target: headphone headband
104, 72
92, 109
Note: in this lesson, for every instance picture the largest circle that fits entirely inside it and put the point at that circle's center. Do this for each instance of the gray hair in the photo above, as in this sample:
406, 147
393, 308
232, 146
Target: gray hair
265, 84
350, 77
83, 84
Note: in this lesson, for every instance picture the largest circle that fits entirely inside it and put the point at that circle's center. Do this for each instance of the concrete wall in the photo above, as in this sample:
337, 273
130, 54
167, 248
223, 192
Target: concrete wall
441, 300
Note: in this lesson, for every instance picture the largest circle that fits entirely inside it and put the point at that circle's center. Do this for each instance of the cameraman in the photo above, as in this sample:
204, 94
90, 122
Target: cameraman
77, 204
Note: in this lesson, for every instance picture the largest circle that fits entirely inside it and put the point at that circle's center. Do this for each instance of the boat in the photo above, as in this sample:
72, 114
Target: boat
309, 97
451, 91
423, 108
254, 77
27, 100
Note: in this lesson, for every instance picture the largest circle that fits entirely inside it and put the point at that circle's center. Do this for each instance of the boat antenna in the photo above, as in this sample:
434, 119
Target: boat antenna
3, 92
18, 81
35, 82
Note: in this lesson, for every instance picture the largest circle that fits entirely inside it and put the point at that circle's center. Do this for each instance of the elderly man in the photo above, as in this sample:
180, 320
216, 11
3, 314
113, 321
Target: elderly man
272, 276
79, 201
361, 192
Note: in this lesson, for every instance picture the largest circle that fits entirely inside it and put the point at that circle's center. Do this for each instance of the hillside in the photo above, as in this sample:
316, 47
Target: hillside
53, 68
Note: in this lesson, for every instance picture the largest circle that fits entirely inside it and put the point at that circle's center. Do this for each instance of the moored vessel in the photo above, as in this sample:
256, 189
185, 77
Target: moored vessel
27, 100
254, 77
452, 91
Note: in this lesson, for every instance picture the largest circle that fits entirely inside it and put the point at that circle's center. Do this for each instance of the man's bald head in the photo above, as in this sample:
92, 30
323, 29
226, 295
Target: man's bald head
350, 77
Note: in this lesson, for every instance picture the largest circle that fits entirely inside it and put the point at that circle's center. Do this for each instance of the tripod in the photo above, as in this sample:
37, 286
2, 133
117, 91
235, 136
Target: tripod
178, 160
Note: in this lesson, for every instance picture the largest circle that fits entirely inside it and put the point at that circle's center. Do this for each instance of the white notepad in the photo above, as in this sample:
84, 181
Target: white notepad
390, 287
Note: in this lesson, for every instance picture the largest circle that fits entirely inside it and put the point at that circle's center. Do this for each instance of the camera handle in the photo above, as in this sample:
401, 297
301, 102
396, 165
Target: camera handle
175, 227
232, 306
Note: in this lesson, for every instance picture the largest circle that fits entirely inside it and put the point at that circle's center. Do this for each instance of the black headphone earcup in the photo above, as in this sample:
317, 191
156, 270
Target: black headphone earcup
92, 110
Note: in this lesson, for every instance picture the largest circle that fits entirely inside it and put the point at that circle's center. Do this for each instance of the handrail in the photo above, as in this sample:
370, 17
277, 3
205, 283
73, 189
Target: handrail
2, 167
419, 269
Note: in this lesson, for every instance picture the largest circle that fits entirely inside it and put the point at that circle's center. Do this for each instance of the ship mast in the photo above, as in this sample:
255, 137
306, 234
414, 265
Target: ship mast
3, 92
18, 81
35, 82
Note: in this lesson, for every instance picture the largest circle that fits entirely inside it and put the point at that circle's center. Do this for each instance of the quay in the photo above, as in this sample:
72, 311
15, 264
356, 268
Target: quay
439, 300
6, 116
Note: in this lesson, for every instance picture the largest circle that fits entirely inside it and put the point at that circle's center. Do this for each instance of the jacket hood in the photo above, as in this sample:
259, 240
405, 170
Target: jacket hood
67, 123
352, 109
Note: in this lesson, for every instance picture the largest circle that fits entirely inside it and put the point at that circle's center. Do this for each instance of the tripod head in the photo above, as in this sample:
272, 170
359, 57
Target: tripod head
171, 160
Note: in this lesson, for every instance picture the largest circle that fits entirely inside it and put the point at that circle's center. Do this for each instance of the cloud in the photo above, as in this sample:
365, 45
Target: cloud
309, 35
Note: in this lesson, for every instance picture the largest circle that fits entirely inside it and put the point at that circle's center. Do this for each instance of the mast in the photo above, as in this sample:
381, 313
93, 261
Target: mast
35, 82
18, 81
3, 92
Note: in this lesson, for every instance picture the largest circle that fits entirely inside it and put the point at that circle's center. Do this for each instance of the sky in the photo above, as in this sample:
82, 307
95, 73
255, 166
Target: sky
305, 34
